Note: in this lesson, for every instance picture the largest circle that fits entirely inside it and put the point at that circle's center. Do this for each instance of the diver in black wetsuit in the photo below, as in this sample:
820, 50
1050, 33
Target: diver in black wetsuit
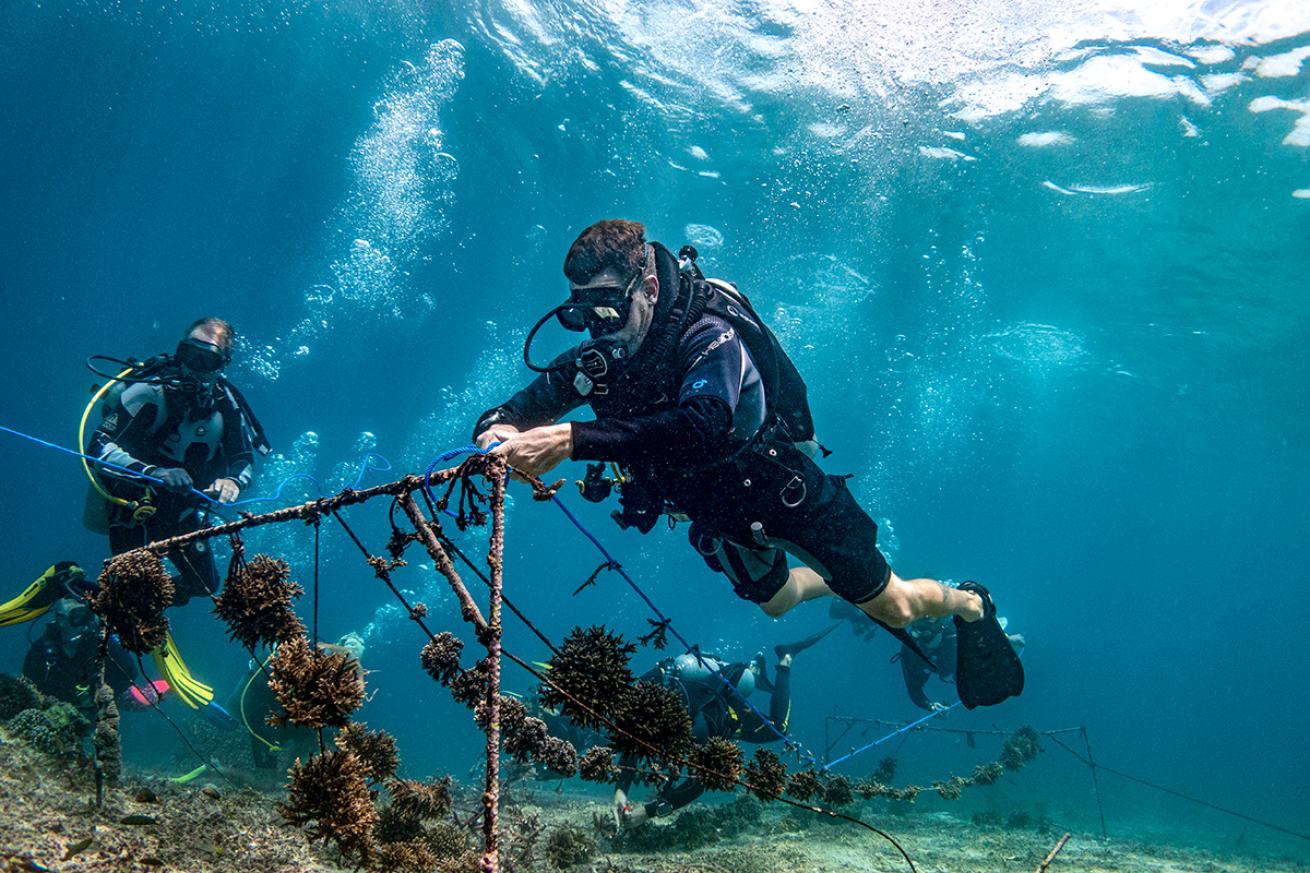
185, 424
62, 661
700, 406
716, 711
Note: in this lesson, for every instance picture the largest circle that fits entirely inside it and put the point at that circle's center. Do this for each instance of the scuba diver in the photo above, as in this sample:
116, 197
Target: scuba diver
717, 710
253, 702
175, 436
62, 662
707, 419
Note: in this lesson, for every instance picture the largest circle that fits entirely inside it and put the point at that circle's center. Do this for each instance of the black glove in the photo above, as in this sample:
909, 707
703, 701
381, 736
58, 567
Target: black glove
175, 479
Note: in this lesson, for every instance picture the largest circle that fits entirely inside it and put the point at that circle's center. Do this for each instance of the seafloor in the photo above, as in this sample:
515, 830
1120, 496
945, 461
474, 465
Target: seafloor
49, 821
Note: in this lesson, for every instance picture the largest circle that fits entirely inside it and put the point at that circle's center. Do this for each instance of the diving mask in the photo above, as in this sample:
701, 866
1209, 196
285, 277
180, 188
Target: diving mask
200, 357
600, 309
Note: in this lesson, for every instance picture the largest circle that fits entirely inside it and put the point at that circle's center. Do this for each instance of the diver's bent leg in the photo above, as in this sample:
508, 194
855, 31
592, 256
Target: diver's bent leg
780, 702
904, 601
802, 584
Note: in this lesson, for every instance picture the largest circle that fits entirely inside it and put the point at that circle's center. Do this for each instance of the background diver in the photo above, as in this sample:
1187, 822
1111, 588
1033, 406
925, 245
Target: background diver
708, 418
175, 419
62, 662
252, 702
170, 426
716, 711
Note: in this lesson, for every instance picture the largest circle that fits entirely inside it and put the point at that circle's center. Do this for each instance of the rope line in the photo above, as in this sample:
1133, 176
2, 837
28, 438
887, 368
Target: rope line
1140, 781
896, 733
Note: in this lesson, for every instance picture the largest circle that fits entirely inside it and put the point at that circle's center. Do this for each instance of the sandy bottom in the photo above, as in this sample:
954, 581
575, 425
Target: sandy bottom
49, 821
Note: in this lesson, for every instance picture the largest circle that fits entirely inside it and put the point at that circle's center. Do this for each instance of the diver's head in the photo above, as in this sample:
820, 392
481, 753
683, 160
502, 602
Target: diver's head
205, 349
72, 620
612, 282
352, 643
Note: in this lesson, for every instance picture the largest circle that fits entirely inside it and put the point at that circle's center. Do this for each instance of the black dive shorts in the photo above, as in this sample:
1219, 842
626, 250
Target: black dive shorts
801, 511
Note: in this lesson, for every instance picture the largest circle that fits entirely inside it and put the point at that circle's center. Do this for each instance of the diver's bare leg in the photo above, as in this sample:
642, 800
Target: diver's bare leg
802, 584
907, 600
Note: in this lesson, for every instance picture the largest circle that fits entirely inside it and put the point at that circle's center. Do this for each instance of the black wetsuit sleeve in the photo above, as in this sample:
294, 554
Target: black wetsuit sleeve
122, 429
545, 400
916, 673
238, 452
753, 728
699, 429
676, 796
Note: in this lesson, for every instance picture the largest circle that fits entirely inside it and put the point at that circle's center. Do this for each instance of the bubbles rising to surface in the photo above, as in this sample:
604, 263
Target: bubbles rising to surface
402, 181
703, 236
1038, 344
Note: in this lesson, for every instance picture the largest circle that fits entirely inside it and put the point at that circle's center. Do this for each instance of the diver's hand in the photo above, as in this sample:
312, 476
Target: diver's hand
175, 479
537, 451
497, 433
224, 490
935, 706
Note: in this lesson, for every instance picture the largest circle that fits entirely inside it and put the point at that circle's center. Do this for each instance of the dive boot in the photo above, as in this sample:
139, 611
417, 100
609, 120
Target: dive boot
987, 669
189, 689
64, 579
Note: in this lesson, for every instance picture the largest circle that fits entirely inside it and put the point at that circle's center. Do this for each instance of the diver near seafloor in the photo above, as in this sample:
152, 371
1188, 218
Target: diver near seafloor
63, 662
716, 711
707, 419
172, 429
935, 638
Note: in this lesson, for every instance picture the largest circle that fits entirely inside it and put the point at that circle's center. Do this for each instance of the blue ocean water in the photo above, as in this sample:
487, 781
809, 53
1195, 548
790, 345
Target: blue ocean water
1043, 267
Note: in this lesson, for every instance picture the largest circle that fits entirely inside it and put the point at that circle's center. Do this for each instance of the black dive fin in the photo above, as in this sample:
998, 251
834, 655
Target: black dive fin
801, 645
987, 669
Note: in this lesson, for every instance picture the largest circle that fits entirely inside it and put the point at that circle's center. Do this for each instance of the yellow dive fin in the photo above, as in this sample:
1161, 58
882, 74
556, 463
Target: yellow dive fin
187, 777
190, 690
42, 594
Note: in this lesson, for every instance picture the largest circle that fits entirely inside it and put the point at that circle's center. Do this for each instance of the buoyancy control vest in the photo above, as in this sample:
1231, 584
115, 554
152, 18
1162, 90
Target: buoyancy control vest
158, 370
652, 380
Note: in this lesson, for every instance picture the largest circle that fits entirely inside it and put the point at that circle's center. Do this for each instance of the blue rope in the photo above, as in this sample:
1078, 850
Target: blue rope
909, 727
442, 458
896, 733
277, 493
372, 462
18, 433
367, 466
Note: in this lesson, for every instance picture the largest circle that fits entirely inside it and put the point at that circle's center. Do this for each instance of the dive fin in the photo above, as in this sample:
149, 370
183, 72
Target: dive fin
190, 690
987, 669
58, 581
801, 645
187, 777
219, 717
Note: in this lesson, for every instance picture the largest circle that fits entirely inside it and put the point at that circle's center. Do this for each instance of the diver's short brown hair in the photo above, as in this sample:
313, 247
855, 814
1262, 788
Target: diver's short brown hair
614, 242
222, 331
